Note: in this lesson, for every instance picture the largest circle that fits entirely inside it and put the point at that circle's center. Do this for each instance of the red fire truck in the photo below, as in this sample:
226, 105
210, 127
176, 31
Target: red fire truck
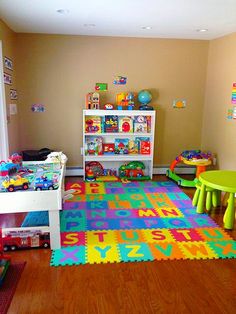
26, 238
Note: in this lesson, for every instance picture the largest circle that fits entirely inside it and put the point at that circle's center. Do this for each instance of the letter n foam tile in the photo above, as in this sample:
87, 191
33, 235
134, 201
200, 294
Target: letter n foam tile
166, 250
224, 249
135, 252
71, 255
197, 250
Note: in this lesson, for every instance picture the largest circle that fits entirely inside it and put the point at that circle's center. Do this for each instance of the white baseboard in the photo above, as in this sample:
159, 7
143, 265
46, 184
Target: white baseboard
78, 171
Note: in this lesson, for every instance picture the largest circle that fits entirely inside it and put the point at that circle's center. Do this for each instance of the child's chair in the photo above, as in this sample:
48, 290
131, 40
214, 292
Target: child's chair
212, 197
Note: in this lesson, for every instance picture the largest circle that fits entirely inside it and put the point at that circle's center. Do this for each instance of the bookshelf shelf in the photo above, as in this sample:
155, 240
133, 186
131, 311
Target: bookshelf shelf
116, 137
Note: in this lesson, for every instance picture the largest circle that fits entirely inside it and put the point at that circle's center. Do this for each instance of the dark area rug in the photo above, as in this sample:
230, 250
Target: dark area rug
9, 285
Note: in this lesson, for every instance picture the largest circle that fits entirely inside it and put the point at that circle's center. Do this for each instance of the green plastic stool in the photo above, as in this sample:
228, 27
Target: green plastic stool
212, 197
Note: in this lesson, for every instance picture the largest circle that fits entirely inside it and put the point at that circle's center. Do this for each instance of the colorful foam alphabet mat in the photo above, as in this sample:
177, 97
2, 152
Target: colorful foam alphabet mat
138, 221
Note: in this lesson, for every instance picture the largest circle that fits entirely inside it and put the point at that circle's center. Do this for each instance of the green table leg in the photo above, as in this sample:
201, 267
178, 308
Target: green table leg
229, 213
216, 198
209, 200
196, 196
200, 204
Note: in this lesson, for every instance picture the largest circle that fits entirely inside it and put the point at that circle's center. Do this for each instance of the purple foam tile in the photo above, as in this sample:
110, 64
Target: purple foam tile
115, 190
201, 221
74, 205
182, 203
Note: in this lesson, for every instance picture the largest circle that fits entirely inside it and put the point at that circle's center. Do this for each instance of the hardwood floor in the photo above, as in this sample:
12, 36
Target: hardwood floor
198, 286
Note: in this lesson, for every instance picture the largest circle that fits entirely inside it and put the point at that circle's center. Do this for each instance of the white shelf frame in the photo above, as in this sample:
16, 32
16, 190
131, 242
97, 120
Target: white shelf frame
30, 201
117, 158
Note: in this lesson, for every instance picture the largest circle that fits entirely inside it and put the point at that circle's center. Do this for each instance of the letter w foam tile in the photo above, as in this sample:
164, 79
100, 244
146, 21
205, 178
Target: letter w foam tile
107, 222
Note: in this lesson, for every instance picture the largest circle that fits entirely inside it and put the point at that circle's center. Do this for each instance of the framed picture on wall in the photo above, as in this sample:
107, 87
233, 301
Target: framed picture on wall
8, 63
7, 78
13, 94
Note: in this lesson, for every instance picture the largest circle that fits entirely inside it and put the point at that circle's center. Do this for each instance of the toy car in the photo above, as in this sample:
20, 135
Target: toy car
14, 184
44, 183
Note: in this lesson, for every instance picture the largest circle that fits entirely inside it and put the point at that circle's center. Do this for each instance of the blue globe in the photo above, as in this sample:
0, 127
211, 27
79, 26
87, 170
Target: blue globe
144, 97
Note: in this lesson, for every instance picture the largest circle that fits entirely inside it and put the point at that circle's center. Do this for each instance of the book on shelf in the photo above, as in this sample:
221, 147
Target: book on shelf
121, 146
140, 124
93, 145
126, 124
133, 147
93, 124
111, 124
108, 148
144, 145
145, 148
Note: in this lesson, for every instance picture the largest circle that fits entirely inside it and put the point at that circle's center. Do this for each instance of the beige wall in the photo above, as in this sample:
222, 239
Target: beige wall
218, 133
7, 36
58, 71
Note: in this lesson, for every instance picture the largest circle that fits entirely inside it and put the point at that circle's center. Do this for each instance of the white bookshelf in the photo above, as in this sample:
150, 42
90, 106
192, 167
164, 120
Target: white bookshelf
114, 161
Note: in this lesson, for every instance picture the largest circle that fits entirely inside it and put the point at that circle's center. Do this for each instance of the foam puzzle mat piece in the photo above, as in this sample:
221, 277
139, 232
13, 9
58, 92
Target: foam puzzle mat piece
109, 222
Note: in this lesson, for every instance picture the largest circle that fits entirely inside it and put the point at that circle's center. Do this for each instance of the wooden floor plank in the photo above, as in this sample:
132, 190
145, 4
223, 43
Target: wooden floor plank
198, 286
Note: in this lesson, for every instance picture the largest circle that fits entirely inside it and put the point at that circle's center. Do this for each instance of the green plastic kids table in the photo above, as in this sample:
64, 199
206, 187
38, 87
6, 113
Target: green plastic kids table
222, 180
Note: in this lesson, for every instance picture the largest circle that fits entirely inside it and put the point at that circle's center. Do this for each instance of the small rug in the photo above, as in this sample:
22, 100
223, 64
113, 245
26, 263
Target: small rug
39, 218
138, 221
9, 285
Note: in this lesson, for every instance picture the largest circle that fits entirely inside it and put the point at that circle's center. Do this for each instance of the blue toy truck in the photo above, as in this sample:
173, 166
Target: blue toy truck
44, 183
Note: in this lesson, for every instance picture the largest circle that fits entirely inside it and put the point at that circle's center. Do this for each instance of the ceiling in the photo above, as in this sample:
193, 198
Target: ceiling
126, 18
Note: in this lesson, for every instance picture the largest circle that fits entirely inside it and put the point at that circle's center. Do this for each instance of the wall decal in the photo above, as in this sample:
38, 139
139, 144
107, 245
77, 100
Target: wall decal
8, 63
13, 94
179, 103
7, 78
101, 86
38, 108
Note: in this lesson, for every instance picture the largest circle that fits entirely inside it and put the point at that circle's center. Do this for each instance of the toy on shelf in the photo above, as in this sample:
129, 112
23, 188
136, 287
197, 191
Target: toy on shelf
125, 100
15, 158
16, 183
4, 260
192, 158
92, 100
57, 157
108, 106
11, 166
93, 169
133, 171
20, 238
44, 183
145, 97
108, 175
